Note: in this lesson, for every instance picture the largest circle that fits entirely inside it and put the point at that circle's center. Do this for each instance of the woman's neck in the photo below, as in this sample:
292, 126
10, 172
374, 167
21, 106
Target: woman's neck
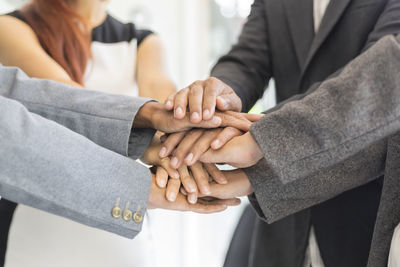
94, 11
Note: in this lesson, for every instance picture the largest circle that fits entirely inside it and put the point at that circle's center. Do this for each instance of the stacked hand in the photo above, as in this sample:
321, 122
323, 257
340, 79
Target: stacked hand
203, 127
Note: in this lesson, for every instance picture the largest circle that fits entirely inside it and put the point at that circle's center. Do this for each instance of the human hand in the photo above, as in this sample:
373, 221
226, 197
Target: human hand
202, 97
194, 179
157, 200
240, 152
154, 115
188, 146
238, 186
152, 158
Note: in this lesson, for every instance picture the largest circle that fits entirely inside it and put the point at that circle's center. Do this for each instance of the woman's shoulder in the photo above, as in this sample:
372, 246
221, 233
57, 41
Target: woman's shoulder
14, 24
18, 15
114, 31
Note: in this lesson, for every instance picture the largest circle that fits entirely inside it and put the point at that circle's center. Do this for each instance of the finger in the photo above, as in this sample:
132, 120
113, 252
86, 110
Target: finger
225, 136
170, 143
234, 120
207, 208
201, 146
161, 177
165, 163
163, 138
173, 189
228, 202
183, 191
184, 147
229, 102
215, 122
253, 117
201, 177
215, 173
215, 156
195, 102
211, 91
169, 103
187, 180
192, 198
181, 100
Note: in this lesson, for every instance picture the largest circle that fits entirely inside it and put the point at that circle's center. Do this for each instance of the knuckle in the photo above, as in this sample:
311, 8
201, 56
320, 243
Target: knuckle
212, 79
197, 83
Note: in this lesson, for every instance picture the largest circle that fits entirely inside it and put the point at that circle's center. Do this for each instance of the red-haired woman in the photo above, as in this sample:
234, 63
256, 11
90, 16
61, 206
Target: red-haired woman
77, 42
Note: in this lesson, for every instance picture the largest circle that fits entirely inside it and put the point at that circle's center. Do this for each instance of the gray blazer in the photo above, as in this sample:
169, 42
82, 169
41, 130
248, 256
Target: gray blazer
333, 140
77, 173
278, 41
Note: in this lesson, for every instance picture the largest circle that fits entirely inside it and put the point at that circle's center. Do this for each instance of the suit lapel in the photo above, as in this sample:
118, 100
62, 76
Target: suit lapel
331, 17
300, 18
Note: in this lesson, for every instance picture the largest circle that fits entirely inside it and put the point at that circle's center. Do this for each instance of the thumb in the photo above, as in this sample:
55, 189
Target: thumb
229, 102
214, 156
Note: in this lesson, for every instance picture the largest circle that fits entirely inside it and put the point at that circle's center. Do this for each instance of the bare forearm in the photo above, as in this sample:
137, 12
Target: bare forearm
158, 88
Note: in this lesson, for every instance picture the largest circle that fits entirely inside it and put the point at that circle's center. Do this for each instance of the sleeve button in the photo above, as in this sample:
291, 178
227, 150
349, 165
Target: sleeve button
127, 214
138, 217
116, 211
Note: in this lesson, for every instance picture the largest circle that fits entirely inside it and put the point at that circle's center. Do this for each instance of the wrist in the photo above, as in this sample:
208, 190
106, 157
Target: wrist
256, 152
144, 117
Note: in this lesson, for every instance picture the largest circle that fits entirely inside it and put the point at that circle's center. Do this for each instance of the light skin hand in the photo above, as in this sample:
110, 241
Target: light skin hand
193, 182
157, 200
188, 147
240, 152
151, 157
238, 186
202, 98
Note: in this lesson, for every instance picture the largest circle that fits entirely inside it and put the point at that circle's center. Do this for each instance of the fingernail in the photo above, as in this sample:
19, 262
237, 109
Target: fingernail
192, 199
169, 103
223, 102
206, 113
178, 111
162, 184
222, 180
175, 175
216, 144
174, 162
171, 196
195, 116
183, 191
189, 158
163, 152
205, 190
191, 188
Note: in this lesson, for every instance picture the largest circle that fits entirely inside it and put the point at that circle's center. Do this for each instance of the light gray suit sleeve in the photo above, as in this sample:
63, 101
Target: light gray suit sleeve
47, 166
333, 139
103, 118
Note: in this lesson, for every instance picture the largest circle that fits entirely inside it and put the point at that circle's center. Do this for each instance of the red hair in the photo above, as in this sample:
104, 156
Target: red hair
62, 33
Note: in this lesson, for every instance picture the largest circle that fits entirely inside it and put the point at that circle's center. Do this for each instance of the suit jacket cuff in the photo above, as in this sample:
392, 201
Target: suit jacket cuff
139, 138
